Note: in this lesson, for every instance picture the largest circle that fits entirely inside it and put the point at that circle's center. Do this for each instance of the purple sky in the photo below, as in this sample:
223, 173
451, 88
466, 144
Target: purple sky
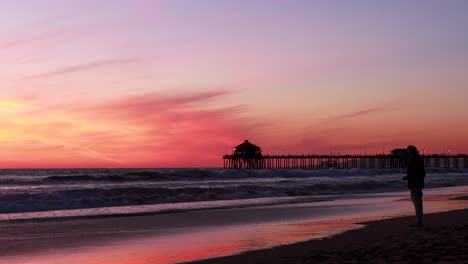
115, 83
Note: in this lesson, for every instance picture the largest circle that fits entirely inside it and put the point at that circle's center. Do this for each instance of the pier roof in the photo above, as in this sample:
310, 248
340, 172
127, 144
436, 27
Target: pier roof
246, 146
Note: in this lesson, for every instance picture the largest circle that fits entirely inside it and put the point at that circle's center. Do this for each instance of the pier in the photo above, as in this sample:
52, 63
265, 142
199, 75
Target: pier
339, 161
249, 156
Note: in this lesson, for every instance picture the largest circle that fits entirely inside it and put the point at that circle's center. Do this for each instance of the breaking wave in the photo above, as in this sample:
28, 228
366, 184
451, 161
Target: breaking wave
46, 190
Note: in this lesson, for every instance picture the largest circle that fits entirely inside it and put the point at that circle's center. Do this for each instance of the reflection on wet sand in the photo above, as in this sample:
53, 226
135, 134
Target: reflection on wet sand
210, 241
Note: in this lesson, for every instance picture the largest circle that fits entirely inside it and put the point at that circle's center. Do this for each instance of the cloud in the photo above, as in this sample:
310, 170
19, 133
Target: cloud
160, 109
169, 130
178, 129
83, 67
383, 107
154, 102
89, 152
147, 130
33, 39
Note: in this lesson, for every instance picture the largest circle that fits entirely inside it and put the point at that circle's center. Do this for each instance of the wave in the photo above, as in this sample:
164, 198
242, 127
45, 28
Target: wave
132, 176
94, 197
22, 177
159, 175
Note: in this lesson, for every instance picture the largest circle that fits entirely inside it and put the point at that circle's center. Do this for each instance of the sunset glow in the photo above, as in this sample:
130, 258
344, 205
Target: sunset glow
179, 83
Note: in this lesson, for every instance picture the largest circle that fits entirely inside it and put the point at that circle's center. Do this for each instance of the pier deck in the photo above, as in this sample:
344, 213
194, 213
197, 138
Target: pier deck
340, 161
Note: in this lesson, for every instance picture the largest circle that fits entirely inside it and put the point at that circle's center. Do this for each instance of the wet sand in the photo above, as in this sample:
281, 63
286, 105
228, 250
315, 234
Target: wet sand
443, 239
182, 237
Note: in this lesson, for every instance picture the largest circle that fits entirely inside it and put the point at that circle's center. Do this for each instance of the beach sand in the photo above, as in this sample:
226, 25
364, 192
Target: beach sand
443, 239
202, 234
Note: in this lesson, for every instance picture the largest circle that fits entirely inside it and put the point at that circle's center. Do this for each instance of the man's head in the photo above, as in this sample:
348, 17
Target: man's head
412, 150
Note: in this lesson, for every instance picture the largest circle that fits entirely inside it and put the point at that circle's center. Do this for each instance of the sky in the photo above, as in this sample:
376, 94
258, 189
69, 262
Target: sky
141, 83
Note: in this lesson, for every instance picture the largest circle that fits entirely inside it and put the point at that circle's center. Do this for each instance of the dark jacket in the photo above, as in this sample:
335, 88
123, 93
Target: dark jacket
415, 172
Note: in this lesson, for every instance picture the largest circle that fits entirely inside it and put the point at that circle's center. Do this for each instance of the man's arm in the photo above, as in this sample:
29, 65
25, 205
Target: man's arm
409, 170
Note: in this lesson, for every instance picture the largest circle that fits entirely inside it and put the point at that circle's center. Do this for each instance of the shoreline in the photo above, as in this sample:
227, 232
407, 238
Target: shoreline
208, 233
443, 239
42, 217
281, 201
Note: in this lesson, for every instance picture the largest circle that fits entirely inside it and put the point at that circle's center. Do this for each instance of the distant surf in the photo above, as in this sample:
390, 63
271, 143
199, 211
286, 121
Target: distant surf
122, 191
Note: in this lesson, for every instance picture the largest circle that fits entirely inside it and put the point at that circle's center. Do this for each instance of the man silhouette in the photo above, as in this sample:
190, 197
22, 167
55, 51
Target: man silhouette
415, 177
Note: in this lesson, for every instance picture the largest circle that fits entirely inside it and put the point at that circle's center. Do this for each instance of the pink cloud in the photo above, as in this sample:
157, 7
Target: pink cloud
32, 40
383, 107
27, 50
184, 130
160, 108
172, 130
83, 67
152, 130
153, 101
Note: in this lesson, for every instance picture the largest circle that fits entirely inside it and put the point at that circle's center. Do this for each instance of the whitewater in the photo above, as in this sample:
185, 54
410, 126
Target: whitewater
59, 193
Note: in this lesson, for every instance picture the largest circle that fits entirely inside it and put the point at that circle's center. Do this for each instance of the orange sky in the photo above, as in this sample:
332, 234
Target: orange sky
176, 84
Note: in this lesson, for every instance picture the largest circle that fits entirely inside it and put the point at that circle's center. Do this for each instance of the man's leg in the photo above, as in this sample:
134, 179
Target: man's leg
416, 197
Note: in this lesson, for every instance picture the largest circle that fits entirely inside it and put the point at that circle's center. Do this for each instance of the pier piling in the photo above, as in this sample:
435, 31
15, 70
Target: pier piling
339, 161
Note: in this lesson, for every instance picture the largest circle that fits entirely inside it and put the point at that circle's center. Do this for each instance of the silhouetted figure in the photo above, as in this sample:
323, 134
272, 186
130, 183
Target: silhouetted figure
415, 177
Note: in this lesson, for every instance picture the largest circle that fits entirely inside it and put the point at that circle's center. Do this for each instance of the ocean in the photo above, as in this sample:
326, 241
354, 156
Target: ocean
60, 193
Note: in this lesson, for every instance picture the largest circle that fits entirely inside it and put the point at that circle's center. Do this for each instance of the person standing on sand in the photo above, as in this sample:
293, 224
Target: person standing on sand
415, 177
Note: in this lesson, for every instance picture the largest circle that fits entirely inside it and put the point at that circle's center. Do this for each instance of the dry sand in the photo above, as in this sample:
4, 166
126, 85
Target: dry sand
443, 239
